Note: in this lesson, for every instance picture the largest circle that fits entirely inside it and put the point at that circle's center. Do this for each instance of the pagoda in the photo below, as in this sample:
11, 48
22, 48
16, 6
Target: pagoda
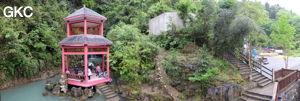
85, 40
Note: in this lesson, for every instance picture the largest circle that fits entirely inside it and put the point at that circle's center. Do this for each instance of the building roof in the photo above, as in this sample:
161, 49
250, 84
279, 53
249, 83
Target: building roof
90, 40
85, 12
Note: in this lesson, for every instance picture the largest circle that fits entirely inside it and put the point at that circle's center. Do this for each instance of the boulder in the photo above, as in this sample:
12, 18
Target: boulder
49, 85
63, 83
88, 92
45, 94
56, 90
76, 92
227, 92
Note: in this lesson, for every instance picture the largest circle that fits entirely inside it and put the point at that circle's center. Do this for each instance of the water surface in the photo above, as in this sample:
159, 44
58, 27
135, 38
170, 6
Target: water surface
33, 92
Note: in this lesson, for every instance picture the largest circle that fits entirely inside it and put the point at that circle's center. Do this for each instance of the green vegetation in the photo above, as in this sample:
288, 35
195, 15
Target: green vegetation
30, 45
132, 53
194, 54
283, 36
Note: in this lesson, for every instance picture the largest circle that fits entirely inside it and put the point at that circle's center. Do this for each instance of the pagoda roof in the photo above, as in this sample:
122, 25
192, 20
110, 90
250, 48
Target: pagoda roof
90, 40
85, 12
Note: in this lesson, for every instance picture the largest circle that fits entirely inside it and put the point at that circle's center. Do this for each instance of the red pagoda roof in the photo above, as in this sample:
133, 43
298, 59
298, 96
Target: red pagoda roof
90, 40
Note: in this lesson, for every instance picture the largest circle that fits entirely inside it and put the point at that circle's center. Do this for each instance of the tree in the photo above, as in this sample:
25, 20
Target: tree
283, 36
132, 55
185, 7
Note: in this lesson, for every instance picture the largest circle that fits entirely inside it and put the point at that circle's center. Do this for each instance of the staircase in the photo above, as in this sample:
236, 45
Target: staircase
253, 96
108, 92
244, 70
257, 77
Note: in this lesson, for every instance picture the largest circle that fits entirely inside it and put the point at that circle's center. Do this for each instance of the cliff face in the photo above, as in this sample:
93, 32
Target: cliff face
227, 92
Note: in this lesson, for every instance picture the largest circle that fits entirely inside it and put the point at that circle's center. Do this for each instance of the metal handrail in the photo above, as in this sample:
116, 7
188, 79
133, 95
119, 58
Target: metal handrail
258, 66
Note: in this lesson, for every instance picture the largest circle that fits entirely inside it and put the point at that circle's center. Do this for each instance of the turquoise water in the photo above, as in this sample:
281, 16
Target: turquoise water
33, 92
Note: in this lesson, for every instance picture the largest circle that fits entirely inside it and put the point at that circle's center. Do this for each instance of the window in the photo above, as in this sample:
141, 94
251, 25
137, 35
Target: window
77, 28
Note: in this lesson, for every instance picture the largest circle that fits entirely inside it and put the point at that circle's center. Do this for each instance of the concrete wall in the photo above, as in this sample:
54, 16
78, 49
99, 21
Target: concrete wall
162, 22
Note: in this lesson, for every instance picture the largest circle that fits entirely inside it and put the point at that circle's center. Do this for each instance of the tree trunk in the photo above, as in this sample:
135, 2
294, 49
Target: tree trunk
286, 60
249, 60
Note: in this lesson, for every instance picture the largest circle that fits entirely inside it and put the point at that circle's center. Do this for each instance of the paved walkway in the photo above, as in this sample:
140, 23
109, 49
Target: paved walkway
267, 90
278, 63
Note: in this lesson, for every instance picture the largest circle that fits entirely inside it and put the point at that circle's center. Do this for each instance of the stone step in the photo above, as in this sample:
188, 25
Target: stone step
265, 83
106, 91
260, 79
245, 70
256, 76
254, 73
263, 80
111, 95
244, 73
244, 98
105, 88
255, 97
258, 94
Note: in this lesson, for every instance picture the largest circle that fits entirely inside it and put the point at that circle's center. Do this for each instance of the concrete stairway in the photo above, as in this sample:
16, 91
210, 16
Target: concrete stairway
257, 77
253, 96
245, 71
108, 92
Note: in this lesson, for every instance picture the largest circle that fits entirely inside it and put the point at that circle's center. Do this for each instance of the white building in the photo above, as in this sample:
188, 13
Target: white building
164, 21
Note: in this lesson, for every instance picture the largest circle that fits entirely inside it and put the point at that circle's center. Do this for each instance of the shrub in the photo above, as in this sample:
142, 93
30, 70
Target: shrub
132, 53
172, 63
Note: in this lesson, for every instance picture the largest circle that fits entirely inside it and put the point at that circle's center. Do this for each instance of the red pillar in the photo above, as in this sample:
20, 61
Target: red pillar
86, 63
101, 29
102, 66
85, 27
67, 63
107, 62
68, 29
63, 60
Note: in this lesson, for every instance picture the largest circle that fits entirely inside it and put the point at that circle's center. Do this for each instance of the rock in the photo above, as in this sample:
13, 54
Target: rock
228, 92
56, 90
88, 92
76, 92
191, 66
63, 83
45, 94
49, 86
2, 75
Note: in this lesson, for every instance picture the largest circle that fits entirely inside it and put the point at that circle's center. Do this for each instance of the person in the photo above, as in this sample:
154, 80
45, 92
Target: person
98, 71
76, 69
89, 73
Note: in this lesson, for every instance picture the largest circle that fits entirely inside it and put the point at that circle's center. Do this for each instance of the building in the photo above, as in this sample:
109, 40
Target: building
164, 21
86, 41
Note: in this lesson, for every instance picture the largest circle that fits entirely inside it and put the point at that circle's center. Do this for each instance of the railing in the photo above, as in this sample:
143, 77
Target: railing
282, 73
76, 76
258, 67
284, 78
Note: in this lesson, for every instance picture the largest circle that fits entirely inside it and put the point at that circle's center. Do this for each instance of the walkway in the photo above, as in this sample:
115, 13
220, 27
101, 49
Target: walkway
267, 90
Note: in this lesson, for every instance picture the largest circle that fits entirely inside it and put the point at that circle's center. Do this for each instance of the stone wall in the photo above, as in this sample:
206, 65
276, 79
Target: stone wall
227, 92
292, 93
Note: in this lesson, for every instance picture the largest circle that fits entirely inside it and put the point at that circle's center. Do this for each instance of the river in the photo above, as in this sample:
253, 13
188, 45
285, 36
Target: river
33, 92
